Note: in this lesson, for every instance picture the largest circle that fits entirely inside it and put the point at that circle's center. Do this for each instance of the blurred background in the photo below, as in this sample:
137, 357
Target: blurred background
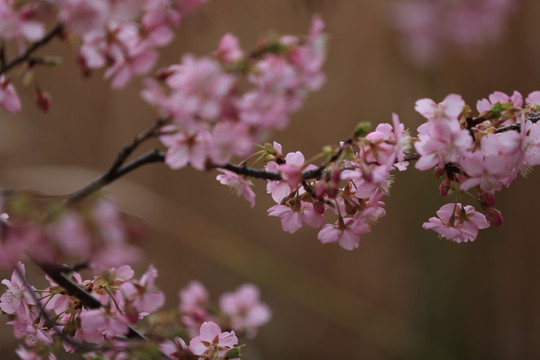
404, 293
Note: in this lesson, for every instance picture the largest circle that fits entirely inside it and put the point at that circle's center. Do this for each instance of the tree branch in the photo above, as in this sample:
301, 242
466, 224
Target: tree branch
56, 272
118, 168
56, 31
251, 172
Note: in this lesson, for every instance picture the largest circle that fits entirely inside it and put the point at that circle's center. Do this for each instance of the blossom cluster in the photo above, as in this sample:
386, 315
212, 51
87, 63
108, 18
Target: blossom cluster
41, 315
95, 232
220, 106
427, 27
483, 152
349, 187
121, 36
240, 310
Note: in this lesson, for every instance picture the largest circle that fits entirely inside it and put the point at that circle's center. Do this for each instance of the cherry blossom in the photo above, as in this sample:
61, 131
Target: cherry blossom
237, 184
212, 343
9, 99
244, 309
457, 223
17, 299
345, 232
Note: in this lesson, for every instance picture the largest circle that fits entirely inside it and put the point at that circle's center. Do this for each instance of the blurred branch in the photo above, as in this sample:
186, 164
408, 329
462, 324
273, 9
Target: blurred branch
25, 56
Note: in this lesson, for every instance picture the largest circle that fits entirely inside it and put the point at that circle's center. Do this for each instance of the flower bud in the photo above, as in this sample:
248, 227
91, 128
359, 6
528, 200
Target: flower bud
43, 100
494, 216
362, 129
438, 172
445, 187
485, 198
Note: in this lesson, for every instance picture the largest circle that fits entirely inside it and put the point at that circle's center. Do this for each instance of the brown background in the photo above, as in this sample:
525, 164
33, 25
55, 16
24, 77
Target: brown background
403, 294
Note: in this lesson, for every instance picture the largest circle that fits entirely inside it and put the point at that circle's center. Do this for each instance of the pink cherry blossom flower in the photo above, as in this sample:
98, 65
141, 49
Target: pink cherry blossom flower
450, 108
275, 75
212, 343
291, 171
533, 98
21, 24
229, 138
262, 109
238, 184
173, 348
129, 54
193, 297
142, 295
530, 135
83, 16
278, 189
441, 139
31, 332
487, 172
441, 142
192, 306
200, 86
244, 308
292, 216
71, 235
102, 323
157, 26
428, 27
457, 223
184, 148
310, 57
107, 217
229, 49
345, 232
60, 300
507, 146
32, 354
9, 99
499, 97
17, 299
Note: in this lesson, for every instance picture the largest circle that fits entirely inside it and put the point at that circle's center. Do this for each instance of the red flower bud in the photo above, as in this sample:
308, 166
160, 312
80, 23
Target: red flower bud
43, 100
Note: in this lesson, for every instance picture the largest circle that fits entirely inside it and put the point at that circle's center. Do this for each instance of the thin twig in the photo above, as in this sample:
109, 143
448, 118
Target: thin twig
2, 54
151, 156
251, 172
309, 189
56, 31
118, 168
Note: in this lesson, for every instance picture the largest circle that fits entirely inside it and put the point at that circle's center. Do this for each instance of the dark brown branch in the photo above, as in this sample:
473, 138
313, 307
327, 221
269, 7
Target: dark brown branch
151, 156
56, 272
251, 172
2, 55
132, 145
118, 168
56, 31
516, 127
